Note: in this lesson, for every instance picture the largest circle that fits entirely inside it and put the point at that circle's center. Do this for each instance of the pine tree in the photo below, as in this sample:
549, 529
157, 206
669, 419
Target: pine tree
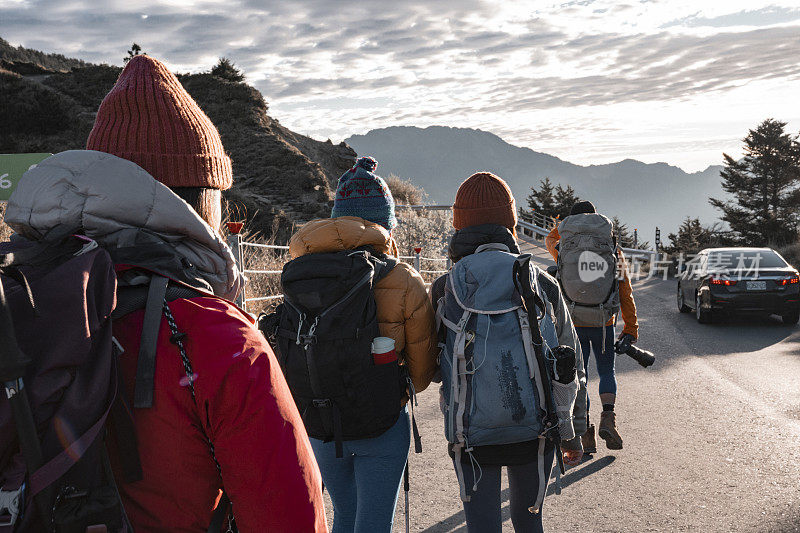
692, 237
541, 200
133, 52
565, 198
765, 185
226, 69
624, 237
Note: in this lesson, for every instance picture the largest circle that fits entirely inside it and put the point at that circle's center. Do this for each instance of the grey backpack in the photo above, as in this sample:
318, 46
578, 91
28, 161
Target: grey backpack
587, 268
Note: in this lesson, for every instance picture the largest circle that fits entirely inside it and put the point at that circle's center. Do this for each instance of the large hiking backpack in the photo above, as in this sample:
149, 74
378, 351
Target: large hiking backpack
496, 387
324, 331
55, 474
587, 268
59, 370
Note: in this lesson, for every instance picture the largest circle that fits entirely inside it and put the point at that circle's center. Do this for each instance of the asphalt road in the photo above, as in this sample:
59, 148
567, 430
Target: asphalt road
712, 436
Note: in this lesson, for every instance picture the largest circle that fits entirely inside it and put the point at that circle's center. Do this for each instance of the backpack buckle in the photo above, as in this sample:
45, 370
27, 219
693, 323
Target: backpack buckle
10, 505
320, 404
308, 338
305, 340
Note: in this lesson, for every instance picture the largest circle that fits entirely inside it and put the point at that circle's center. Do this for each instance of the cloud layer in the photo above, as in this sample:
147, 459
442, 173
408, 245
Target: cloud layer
590, 80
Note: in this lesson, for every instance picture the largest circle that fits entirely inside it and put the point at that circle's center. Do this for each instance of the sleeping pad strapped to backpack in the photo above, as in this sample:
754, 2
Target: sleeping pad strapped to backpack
324, 332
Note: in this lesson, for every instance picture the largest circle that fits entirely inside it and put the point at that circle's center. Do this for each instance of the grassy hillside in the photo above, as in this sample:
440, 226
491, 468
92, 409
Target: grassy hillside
29, 61
280, 178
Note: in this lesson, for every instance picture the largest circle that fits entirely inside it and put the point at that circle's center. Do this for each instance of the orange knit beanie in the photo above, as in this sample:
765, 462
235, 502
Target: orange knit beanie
150, 119
484, 199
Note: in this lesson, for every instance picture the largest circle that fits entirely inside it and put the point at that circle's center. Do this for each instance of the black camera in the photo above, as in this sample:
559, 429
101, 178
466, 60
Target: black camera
625, 345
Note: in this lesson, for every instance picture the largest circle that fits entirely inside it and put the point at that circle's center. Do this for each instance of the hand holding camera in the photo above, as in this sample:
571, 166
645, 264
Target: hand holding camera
625, 345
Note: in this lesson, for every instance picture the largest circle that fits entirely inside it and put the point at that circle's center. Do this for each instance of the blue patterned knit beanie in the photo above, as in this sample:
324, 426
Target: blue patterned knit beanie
361, 193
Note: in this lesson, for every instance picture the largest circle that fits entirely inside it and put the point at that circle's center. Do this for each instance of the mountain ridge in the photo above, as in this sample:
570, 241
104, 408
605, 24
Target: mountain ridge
643, 195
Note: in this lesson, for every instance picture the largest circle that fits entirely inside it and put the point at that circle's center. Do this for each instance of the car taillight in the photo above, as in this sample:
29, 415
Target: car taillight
788, 281
718, 281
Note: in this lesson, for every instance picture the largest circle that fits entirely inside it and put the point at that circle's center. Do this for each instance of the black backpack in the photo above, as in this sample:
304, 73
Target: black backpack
323, 334
64, 402
62, 391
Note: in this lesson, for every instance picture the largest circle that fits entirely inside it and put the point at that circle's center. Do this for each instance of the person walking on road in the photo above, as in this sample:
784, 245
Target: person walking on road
213, 411
362, 456
484, 216
598, 339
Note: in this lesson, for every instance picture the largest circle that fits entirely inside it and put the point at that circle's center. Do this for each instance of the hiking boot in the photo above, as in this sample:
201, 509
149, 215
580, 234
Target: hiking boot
588, 440
608, 430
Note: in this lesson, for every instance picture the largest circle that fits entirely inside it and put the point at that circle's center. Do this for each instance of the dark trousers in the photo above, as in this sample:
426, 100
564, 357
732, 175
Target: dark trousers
483, 511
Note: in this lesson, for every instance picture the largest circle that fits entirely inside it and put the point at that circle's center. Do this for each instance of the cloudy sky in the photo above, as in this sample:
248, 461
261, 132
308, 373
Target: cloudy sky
591, 81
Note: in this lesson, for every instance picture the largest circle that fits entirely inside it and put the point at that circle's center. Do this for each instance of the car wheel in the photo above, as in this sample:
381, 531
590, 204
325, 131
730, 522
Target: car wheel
791, 318
682, 307
703, 315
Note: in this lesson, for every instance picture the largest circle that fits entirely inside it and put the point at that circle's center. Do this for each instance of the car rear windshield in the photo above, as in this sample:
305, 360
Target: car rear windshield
750, 260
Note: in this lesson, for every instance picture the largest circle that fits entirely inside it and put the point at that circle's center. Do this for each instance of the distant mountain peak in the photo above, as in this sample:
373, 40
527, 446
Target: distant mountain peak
439, 158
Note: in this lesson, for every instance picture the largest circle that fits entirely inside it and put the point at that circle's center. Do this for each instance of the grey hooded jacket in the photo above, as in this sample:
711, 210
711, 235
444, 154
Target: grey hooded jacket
111, 200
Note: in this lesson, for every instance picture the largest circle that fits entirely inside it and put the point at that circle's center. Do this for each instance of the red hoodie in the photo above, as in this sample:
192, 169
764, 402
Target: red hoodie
243, 405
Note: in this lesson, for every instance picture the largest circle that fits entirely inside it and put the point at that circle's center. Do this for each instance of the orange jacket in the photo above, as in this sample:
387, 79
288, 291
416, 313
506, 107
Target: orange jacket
405, 312
626, 303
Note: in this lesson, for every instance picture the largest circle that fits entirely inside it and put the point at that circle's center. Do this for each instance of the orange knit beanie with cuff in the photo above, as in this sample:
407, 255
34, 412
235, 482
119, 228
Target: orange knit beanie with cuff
484, 199
149, 118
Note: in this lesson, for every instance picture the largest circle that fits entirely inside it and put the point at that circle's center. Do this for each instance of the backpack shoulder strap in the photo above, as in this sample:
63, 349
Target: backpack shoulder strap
151, 298
146, 366
382, 265
550, 288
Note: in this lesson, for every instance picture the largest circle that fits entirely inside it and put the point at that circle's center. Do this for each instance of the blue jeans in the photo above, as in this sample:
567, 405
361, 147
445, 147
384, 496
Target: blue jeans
483, 511
364, 484
592, 341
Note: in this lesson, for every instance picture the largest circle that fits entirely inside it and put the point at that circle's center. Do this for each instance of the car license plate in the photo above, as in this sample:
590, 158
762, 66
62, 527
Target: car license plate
756, 285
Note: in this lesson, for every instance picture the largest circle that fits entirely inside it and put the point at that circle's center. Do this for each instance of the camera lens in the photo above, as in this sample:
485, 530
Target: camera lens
643, 357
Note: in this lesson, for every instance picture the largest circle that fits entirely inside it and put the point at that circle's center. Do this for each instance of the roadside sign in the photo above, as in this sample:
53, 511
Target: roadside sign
12, 167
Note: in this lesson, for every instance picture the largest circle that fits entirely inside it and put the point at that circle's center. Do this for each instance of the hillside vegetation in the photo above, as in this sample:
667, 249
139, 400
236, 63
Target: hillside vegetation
27, 61
281, 179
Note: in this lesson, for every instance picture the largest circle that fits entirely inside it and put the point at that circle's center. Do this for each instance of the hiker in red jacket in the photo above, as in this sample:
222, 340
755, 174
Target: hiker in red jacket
221, 415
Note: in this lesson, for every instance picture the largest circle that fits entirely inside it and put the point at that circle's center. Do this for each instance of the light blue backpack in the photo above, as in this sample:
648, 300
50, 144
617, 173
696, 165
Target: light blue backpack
492, 388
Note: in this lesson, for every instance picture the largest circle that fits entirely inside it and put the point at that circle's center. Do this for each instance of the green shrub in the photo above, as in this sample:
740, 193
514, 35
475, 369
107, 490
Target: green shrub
87, 86
791, 252
35, 109
405, 192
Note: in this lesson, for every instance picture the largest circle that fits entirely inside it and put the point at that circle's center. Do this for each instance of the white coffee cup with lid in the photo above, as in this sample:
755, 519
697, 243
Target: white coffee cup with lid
383, 350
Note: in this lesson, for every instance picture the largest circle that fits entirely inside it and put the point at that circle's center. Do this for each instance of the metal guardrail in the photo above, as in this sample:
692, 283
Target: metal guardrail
533, 229
541, 220
425, 207
637, 252
237, 244
534, 224
259, 245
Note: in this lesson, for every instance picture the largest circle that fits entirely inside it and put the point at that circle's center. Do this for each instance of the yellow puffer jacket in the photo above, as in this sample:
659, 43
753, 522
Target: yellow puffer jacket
405, 312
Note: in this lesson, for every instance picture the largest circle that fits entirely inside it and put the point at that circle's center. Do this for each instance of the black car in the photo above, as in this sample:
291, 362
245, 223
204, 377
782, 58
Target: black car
740, 280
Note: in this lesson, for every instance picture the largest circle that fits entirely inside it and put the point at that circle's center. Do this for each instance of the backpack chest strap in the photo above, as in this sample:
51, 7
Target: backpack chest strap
441, 319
